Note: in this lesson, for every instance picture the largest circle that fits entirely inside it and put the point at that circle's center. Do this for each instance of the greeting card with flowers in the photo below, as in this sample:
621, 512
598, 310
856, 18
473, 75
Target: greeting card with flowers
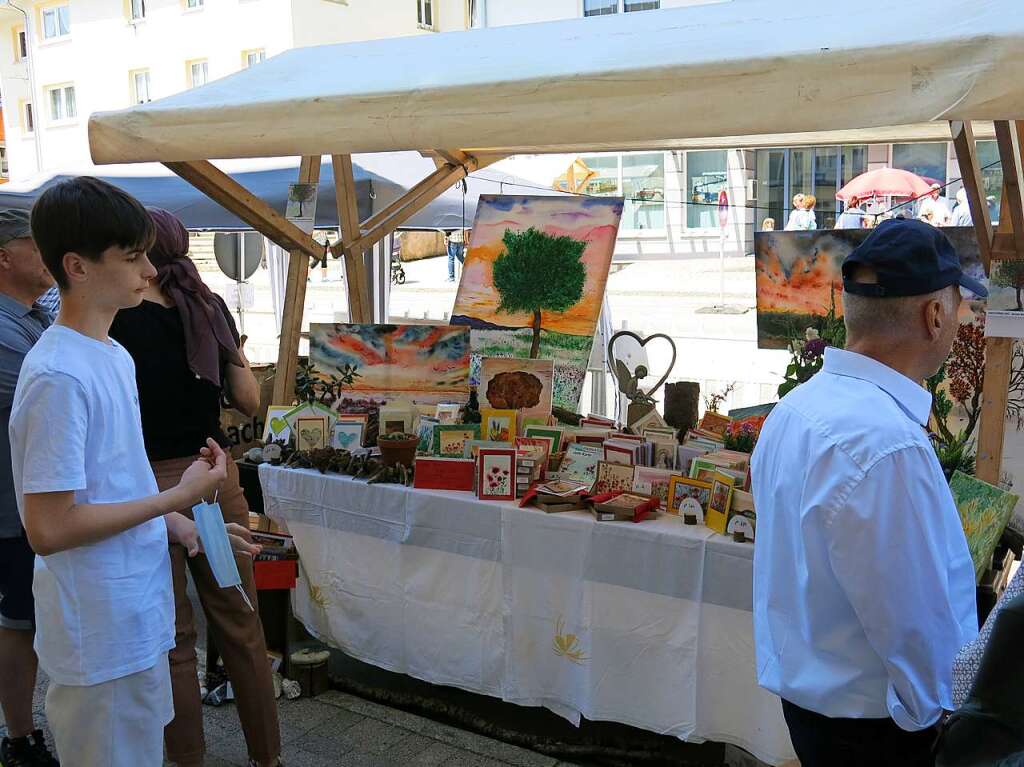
496, 473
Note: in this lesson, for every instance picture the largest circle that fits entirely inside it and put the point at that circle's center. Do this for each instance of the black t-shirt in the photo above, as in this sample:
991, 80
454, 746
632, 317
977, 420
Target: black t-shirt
179, 410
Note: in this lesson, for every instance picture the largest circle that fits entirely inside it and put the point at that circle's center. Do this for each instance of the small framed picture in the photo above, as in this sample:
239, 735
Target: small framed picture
311, 432
682, 488
347, 435
425, 431
496, 474
718, 507
498, 425
613, 476
555, 433
276, 428
448, 412
450, 438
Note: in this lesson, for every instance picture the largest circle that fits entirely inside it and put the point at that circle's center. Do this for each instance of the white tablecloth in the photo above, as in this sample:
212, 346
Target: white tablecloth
647, 624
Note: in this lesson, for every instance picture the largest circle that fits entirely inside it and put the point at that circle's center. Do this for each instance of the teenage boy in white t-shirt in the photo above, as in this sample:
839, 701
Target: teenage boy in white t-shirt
87, 496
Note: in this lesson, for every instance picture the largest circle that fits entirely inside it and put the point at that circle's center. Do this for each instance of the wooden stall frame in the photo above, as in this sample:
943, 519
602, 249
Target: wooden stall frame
1005, 244
356, 237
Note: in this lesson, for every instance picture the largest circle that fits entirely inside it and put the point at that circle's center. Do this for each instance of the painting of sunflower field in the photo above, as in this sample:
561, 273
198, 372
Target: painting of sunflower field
984, 511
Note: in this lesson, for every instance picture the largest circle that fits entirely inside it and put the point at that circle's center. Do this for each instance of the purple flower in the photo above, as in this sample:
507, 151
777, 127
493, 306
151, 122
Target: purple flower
814, 348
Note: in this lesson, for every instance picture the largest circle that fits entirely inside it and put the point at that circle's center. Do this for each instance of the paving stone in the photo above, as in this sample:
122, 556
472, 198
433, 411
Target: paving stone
473, 760
418, 751
297, 717
486, 747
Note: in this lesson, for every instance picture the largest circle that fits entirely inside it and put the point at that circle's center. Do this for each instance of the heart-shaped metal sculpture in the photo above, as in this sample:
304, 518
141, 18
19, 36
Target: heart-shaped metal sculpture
629, 382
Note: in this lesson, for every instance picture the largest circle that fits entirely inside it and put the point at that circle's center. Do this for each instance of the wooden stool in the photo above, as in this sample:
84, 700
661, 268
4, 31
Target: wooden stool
309, 669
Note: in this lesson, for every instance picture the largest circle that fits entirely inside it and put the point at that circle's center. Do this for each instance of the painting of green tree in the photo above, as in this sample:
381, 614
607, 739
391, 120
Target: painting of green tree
985, 511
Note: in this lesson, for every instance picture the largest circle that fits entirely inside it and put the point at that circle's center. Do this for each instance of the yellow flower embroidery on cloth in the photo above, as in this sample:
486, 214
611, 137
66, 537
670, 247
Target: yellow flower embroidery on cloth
318, 597
567, 645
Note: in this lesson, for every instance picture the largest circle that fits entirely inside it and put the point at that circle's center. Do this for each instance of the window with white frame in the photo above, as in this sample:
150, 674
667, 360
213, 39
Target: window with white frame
5, 170
140, 86
198, 73
20, 44
28, 117
640, 179
254, 57
425, 13
706, 177
193, 3
62, 103
607, 7
56, 21
137, 9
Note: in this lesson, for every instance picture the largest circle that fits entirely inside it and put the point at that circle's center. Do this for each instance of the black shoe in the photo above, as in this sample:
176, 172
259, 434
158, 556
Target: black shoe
30, 751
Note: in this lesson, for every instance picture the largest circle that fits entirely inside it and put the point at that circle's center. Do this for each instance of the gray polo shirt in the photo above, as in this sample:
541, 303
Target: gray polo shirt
20, 328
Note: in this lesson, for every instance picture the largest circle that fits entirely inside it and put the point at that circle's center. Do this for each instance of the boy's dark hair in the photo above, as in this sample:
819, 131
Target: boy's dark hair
85, 215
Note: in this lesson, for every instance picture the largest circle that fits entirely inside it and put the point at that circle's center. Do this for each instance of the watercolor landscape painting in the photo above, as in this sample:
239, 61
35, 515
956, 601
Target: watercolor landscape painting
426, 364
985, 511
534, 280
799, 273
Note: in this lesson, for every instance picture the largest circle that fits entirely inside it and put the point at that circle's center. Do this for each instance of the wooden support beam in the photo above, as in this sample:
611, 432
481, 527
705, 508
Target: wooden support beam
995, 392
1012, 209
234, 197
359, 307
966, 154
294, 301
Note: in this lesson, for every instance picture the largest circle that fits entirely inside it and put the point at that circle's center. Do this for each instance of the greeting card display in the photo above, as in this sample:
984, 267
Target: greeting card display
347, 435
276, 428
498, 425
473, 446
717, 516
613, 476
450, 439
444, 473
425, 431
496, 474
683, 491
555, 433
311, 432
653, 482
580, 463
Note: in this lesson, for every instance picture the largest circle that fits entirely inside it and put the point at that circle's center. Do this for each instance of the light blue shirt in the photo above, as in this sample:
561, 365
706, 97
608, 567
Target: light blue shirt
863, 584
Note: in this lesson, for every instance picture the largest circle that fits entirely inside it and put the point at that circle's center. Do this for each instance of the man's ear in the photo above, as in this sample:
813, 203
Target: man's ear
5, 259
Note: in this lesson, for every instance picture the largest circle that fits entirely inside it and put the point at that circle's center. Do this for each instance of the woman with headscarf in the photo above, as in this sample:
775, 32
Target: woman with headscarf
187, 358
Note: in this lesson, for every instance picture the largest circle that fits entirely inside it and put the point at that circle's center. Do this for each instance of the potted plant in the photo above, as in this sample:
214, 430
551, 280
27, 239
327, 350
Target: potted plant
398, 447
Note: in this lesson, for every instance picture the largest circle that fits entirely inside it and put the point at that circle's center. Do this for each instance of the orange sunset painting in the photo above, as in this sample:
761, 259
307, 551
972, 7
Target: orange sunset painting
799, 273
426, 364
534, 279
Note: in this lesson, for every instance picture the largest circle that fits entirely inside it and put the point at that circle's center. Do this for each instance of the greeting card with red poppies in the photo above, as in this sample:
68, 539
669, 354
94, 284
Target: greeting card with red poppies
496, 474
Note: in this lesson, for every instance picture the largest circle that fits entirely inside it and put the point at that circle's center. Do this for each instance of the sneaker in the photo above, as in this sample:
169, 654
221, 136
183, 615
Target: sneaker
30, 751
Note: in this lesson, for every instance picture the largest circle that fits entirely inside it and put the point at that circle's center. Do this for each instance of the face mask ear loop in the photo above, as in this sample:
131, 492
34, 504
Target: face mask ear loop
215, 494
245, 597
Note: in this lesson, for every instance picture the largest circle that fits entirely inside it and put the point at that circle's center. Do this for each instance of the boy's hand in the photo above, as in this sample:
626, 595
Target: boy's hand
182, 530
206, 474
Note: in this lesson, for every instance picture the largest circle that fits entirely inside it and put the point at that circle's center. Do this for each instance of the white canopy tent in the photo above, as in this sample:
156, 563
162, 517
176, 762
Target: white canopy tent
741, 68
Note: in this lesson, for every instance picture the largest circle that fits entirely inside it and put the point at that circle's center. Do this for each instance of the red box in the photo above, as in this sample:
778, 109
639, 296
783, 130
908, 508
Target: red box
444, 473
270, 574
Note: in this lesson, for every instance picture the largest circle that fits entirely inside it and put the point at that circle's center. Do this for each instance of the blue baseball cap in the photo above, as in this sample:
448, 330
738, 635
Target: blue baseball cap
909, 258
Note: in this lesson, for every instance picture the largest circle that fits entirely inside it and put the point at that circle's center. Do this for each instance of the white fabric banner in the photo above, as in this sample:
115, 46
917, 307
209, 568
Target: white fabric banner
646, 624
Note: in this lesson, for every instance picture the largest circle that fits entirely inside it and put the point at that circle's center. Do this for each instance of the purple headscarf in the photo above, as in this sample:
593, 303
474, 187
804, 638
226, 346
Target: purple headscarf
208, 338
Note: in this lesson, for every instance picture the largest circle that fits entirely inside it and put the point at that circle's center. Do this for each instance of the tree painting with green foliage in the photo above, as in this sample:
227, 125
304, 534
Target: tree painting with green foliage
1010, 274
537, 273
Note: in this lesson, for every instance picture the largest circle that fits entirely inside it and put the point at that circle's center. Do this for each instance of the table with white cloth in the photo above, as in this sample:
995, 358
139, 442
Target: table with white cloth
647, 624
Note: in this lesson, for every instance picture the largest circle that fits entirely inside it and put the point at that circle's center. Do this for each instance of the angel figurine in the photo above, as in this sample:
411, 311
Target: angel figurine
629, 383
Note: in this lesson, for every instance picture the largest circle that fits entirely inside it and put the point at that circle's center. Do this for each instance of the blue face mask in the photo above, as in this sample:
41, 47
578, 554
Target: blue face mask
217, 547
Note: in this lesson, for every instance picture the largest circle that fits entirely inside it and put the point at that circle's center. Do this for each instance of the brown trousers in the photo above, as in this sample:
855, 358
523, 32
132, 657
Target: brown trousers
236, 630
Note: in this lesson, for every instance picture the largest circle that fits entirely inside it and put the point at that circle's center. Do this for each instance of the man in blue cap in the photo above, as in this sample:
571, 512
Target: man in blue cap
23, 280
863, 584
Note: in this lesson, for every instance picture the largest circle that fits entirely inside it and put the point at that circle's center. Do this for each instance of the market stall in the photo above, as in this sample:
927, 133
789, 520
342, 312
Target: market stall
545, 603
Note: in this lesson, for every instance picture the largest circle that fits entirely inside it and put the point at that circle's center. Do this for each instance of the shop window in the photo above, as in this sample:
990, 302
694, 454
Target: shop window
926, 160
706, 176
137, 9
56, 21
28, 117
640, 179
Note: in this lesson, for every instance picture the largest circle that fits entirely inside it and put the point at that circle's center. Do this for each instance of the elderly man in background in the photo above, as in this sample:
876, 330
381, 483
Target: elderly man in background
23, 280
863, 583
934, 209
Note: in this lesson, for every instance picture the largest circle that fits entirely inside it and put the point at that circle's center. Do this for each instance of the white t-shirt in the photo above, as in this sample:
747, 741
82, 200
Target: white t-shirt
105, 610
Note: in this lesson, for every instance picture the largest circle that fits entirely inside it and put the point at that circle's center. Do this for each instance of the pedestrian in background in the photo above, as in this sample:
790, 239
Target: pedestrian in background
455, 244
